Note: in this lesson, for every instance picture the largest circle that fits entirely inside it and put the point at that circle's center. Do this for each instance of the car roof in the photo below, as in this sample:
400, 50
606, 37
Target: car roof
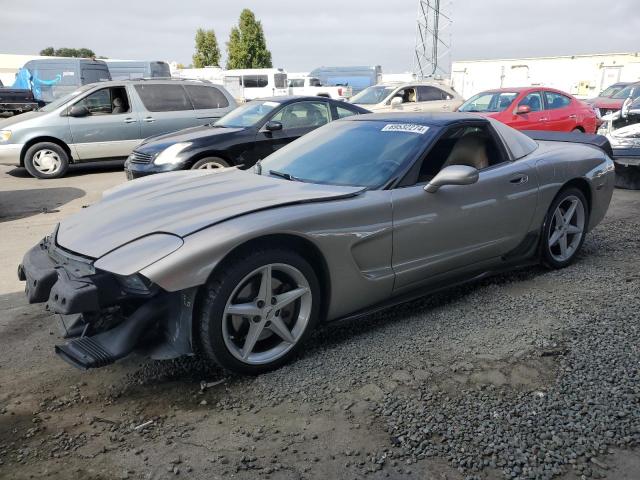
163, 80
430, 119
292, 98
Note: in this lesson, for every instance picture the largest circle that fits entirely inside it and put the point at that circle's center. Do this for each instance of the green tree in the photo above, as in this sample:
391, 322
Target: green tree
68, 52
247, 47
207, 51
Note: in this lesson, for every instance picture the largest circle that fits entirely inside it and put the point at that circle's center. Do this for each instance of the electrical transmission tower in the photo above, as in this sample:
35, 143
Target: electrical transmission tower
433, 39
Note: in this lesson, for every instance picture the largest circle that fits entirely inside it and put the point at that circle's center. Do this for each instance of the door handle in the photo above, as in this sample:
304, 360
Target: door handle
445, 107
544, 119
519, 179
574, 116
129, 120
149, 119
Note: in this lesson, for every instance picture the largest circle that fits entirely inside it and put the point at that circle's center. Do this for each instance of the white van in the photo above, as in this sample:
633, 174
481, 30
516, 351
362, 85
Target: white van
258, 82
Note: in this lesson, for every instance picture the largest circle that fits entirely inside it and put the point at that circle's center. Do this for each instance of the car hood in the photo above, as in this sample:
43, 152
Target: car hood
607, 103
160, 142
7, 122
181, 203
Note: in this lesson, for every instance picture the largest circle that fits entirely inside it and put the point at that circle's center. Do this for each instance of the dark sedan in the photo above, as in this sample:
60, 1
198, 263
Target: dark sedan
242, 137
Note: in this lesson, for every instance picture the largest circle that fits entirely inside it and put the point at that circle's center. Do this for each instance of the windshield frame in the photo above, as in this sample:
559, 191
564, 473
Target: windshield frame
392, 179
392, 89
493, 93
67, 99
632, 91
261, 121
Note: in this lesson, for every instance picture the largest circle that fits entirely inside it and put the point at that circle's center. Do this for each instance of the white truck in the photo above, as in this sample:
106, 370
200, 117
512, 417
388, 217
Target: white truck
310, 86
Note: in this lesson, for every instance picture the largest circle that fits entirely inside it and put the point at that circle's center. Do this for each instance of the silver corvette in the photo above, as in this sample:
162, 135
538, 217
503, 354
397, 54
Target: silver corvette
363, 213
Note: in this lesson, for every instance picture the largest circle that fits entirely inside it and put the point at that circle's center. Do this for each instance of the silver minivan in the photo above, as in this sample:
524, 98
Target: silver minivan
107, 120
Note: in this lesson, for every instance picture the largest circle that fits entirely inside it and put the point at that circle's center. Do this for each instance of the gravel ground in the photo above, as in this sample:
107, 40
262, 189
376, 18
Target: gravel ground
531, 374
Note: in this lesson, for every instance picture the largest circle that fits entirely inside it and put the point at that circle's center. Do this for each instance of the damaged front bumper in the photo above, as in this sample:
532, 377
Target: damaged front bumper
110, 315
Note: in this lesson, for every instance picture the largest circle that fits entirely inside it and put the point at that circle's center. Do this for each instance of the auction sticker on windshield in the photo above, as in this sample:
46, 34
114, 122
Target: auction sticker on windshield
405, 127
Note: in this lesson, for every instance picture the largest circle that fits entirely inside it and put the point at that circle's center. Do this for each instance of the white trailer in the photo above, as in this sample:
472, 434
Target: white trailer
581, 75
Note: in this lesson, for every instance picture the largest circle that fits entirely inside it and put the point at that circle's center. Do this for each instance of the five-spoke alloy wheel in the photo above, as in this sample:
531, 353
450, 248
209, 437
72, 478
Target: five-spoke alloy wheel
565, 228
258, 311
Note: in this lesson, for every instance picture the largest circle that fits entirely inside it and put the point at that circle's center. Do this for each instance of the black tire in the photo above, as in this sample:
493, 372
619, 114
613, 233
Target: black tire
577, 130
220, 162
209, 319
548, 258
46, 146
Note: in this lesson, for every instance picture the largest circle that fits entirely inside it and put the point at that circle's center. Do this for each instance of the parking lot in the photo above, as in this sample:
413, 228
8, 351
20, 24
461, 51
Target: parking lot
529, 374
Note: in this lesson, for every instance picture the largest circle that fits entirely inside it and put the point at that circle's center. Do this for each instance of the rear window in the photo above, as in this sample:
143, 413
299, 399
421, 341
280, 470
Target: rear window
94, 75
280, 80
206, 97
518, 143
255, 81
163, 97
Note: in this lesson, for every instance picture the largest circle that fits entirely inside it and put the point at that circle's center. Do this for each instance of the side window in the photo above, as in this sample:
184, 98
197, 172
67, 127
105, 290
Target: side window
533, 101
556, 100
408, 95
279, 80
303, 115
204, 98
344, 112
106, 101
429, 94
161, 97
474, 146
255, 81
296, 82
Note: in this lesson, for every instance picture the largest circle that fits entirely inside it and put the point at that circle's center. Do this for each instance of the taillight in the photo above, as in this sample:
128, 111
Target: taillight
339, 91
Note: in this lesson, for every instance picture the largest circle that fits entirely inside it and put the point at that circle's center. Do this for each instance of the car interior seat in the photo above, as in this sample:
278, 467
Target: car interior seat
469, 150
534, 103
117, 105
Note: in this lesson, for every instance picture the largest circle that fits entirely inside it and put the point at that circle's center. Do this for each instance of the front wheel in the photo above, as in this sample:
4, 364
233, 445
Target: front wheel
564, 228
46, 160
258, 311
210, 163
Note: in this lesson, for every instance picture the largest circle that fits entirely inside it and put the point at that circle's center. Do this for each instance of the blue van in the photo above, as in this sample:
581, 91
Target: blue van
358, 78
132, 69
55, 77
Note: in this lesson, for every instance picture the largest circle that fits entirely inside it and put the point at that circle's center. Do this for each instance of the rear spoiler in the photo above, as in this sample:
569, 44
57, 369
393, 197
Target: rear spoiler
599, 141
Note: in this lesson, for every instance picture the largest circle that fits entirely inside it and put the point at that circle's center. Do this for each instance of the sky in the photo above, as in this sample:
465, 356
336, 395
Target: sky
303, 35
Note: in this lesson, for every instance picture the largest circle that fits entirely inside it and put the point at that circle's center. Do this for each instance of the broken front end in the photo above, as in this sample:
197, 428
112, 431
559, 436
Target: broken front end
106, 316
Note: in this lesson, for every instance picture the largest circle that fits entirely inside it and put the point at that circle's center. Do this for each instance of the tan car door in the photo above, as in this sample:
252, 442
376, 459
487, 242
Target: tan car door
433, 99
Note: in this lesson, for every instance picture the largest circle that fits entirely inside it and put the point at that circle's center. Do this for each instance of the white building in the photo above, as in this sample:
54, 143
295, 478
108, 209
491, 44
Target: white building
10, 64
581, 75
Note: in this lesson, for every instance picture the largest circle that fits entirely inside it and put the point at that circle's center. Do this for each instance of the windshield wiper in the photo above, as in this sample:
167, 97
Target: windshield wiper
286, 176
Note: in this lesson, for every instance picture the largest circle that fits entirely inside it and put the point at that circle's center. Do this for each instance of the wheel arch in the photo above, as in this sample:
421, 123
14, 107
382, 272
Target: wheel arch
41, 139
582, 185
304, 247
211, 153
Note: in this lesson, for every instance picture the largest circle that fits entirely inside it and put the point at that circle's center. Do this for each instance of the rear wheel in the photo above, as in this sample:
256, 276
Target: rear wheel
46, 160
210, 163
565, 228
258, 311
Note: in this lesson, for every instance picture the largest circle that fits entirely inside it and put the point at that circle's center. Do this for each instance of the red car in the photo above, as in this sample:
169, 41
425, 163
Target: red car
607, 105
534, 108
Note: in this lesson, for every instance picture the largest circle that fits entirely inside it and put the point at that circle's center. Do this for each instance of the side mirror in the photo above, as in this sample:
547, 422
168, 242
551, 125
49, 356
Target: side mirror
78, 111
452, 175
396, 102
523, 109
273, 125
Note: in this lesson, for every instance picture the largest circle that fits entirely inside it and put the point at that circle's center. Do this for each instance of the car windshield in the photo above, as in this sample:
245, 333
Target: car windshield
632, 91
489, 102
59, 102
248, 114
354, 153
372, 95
610, 91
